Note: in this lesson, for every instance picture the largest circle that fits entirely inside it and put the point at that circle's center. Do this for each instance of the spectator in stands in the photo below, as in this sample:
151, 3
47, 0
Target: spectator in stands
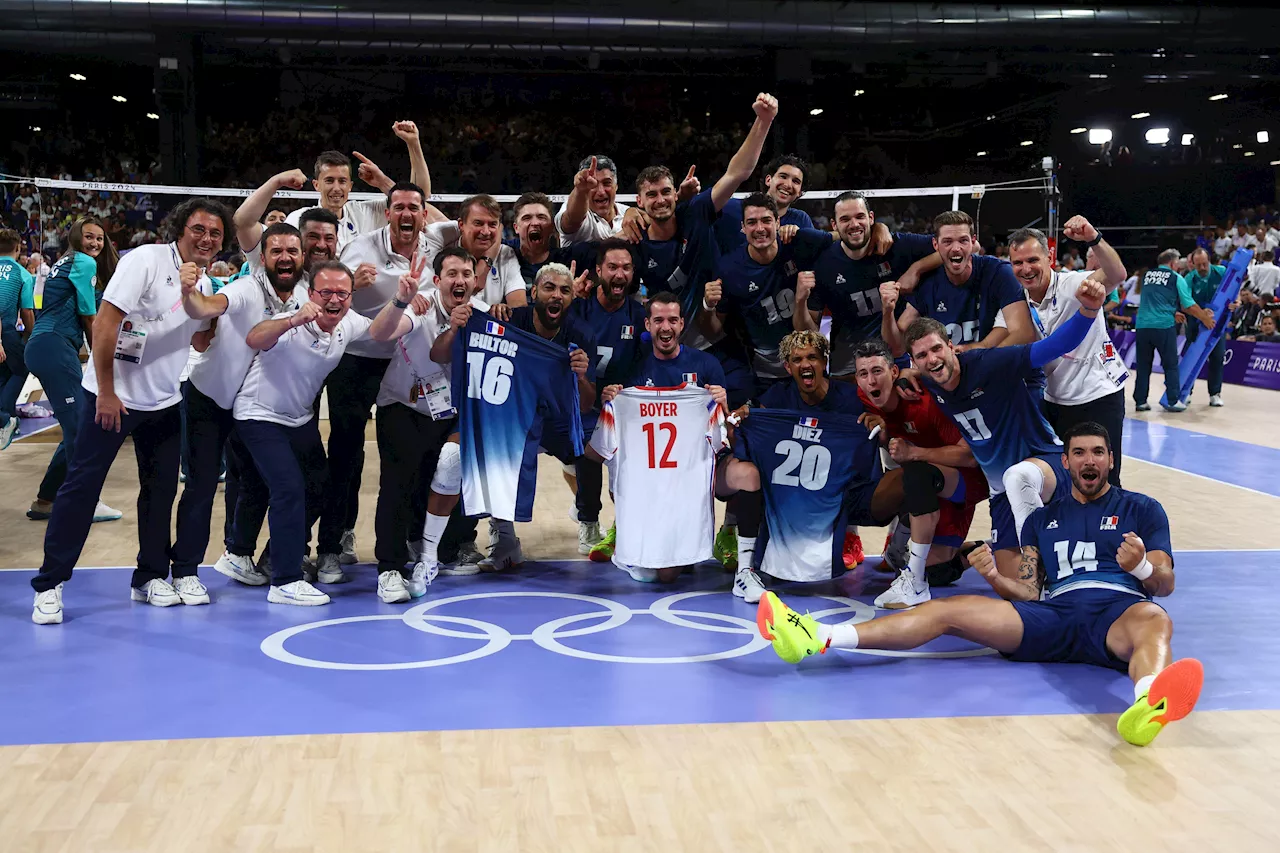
1266, 331
1243, 239
1265, 242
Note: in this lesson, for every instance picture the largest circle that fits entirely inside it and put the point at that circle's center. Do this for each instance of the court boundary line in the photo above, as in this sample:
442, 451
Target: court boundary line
1201, 476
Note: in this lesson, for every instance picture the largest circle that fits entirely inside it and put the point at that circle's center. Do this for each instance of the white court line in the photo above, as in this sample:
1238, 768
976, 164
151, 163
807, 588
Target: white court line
1200, 476
37, 432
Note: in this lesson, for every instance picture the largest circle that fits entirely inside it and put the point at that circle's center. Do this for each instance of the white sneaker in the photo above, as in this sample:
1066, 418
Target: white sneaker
299, 592
748, 586
588, 536
1215, 400
1180, 406
423, 575
156, 592
191, 590
348, 556
329, 569
639, 574
505, 554
459, 568
241, 568
48, 607
102, 512
7, 432
391, 588
573, 512
903, 593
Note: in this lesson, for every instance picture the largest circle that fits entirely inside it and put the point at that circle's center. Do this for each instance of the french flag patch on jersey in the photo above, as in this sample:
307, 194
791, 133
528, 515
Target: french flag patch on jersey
1109, 522
689, 378
628, 332
493, 328
808, 422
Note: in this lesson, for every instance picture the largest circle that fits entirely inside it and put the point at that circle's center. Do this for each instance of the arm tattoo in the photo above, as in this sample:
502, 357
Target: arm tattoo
1031, 571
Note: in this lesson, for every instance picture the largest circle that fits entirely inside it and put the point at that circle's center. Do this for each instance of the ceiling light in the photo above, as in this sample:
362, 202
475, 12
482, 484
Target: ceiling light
1237, 145
119, 99
1099, 135
152, 115
36, 129
1079, 130
1097, 77
1024, 143
982, 154
1264, 137
816, 111
1249, 153
1158, 135
1187, 138
1275, 162
991, 118
78, 77
1140, 115
1102, 54
857, 92
1219, 97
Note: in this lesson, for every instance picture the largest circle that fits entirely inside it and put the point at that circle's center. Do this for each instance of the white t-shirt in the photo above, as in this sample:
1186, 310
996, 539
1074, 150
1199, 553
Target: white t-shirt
503, 279
679, 431
594, 226
412, 377
1092, 370
358, 217
375, 248
155, 335
219, 371
1264, 277
1222, 247
282, 383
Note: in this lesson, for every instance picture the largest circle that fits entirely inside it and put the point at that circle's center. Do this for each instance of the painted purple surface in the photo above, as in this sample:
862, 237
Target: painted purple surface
1243, 363
117, 670
1234, 462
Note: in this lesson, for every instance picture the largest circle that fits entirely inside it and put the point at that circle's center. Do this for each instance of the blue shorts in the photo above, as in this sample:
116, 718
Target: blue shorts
1003, 531
555, 437
857, 505
1072, 628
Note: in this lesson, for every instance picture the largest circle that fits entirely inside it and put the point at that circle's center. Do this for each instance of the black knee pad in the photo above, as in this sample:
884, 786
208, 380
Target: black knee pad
921, 483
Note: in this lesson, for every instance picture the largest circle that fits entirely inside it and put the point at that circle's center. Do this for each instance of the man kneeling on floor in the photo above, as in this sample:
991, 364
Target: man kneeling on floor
1098, 555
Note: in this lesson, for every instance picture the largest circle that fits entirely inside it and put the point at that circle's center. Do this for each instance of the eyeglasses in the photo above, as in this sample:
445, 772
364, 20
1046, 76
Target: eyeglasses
201, 232
340, 295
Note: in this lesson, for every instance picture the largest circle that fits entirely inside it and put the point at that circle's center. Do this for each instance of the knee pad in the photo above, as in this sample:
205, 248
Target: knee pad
569, 468
921, 483
1025, 479
448, 476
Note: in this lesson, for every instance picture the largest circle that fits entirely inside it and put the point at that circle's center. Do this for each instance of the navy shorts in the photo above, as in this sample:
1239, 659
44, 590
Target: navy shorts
857, 505
555, 437
1003, 532
1072, 628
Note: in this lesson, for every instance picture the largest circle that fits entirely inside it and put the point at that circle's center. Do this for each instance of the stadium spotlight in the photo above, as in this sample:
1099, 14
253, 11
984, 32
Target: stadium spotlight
1188, 138
816, 111
1275, 162
857, 92
35, 129
1026, 142
1218, 97
80, 77
1250, 153
1099, 135
1237, 146
1097, 77
1140, 115
119, 99
1079, 130
1158, 135
152, 115
982, 154
1264, 137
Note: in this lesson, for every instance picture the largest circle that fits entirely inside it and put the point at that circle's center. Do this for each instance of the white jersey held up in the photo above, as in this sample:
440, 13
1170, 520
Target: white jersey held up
661, 445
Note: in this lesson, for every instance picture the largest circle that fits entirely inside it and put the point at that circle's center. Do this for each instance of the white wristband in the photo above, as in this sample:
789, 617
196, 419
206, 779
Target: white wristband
705, 306
1143, 570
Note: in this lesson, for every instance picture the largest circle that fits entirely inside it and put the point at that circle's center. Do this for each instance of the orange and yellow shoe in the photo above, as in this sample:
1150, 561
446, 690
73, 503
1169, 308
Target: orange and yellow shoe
794, 637
853, 553
1169, 698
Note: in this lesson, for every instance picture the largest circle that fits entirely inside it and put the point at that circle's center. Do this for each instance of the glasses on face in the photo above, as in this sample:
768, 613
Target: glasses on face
200, 232
340, 295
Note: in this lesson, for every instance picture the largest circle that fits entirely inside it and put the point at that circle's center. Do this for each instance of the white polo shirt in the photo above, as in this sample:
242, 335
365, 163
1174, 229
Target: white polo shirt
358, 217
1264, 277
219, 371
375, 248
503, 278
594, 226
412, 375
1082, 375
282, 383
151, 355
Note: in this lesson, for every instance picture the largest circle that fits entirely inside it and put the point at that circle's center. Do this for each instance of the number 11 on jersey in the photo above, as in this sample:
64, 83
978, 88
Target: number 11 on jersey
651, 431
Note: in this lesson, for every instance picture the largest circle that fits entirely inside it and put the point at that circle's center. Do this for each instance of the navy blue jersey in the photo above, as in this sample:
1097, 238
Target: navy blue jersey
850, 289
684, 263
763, 296
804, 473
690, 365
968, 310
728, 231
582, 254
1000, 418
617, 336
514, 381
842, 399
1078, 542
568, 333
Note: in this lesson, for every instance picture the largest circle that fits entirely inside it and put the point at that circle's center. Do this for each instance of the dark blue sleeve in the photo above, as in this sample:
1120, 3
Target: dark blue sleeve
1031, 530
587, 341
808, 244
911, 247
702, 208
802, 219
1064, 339
775, 397
714, 374
1153, 527
992, 365
1005, 287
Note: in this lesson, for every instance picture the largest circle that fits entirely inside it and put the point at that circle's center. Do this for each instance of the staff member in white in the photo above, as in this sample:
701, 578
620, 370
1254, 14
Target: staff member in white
353, 385
210, 393
1086, 385
274, 415
140, 341
319, 227
479, 231
592, 211
418, 423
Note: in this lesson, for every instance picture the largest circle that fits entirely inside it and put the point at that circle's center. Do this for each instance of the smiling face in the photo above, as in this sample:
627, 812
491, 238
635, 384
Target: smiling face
936, 358
807, 366
665, 326
614, 275
533, 224
853, 224
601, 201
201, 238
334, 185
785, 185
282, 261
272, 217
1088, 461
480, 229
456, 282
331, 290
407, 216
1030, 264
550, 298
760, 226
319, 243
876, 376
92, 239
955, 244
658, 199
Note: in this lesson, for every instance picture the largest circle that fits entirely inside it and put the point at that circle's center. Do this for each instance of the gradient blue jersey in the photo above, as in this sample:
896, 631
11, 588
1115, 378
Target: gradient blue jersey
728, 230
1001, 419
968, 310
692, 366
841, 399
514, 381
850, 289
1078, 541
686, 262
805, 469
617, 337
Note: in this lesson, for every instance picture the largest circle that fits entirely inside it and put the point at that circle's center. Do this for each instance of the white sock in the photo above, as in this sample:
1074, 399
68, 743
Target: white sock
746, 552
838, 636
915, 562
431, 533
1141, 686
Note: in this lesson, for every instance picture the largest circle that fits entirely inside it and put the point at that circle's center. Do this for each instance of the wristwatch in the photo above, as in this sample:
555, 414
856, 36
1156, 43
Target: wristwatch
1095, 241
395, 300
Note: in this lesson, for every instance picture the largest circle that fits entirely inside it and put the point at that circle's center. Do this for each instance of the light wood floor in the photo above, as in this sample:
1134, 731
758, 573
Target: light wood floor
969, 784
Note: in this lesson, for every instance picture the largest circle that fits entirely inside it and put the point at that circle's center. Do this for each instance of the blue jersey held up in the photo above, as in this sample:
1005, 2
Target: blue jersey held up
513, 381
1078, 542
806, 464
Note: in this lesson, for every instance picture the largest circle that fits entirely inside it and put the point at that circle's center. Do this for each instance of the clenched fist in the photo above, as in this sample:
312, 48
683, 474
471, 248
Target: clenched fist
713, 293
307, 313
1078, 228
889, 296
804, 286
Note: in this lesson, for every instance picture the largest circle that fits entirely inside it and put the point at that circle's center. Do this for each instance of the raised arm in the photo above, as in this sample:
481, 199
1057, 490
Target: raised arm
264, 335
575, 206
894, 329
744, 162
391, 323
709, 320
804, 318
1153, 568
1108, 260
1072, 333
249, 215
